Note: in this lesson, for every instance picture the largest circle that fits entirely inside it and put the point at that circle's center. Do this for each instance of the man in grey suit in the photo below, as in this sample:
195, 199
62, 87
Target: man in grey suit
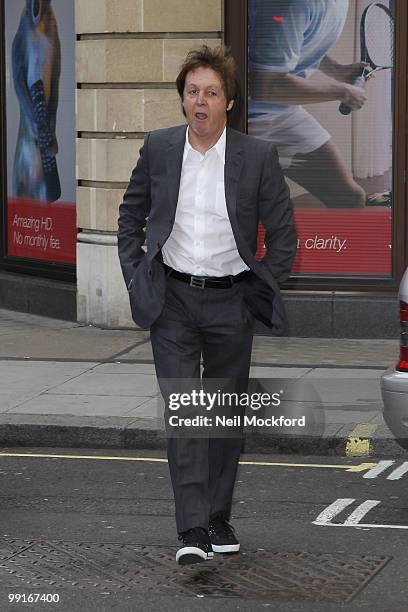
195, 198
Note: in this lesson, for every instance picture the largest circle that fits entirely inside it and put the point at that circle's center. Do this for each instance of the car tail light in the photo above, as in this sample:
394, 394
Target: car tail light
402, 364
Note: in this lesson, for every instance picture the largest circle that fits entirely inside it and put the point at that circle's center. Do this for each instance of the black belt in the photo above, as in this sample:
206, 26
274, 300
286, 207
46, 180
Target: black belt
213, 282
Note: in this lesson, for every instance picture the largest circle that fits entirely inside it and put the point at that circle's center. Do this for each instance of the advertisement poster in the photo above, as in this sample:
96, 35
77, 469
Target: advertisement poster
306, 59
40, 117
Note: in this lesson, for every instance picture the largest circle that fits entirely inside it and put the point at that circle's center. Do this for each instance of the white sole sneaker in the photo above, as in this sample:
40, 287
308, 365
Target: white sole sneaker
192, 554
227, 548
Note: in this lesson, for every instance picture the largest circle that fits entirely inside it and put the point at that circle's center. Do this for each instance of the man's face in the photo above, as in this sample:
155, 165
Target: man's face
205, 104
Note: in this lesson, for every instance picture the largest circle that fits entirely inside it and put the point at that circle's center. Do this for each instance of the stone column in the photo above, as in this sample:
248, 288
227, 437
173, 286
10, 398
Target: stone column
128, 55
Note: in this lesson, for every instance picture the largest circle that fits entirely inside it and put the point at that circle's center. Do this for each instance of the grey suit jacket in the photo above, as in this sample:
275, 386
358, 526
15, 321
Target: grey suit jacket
255, 190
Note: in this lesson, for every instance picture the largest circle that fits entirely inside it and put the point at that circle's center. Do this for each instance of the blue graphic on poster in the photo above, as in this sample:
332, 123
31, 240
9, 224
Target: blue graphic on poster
36, 60
40, 119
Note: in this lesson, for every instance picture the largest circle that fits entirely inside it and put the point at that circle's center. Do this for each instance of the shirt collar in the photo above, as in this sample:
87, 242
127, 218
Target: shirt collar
219, 146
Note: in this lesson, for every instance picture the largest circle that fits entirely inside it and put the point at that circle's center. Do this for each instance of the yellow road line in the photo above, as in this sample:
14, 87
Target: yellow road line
349, 468
359, 442
362, 467
98, 458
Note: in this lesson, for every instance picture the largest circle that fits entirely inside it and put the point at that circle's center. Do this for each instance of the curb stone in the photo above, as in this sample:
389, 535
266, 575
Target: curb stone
144, 434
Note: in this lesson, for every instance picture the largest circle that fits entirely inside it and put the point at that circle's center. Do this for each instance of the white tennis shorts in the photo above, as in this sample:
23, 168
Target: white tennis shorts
291, 130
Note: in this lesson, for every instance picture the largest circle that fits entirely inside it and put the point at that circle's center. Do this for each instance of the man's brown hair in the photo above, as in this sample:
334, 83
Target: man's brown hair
218, 59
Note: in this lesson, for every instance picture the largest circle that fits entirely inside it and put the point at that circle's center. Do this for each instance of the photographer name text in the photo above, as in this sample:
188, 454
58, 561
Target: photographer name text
235, 421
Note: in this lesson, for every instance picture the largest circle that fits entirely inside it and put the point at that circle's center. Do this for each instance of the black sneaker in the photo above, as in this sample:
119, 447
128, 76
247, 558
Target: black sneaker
222, 536
196, 547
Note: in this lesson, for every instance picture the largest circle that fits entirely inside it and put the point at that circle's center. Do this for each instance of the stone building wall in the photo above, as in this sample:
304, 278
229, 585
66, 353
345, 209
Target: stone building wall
128, 53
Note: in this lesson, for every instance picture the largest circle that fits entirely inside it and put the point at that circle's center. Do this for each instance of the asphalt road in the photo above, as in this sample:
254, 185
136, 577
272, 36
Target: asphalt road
97, 532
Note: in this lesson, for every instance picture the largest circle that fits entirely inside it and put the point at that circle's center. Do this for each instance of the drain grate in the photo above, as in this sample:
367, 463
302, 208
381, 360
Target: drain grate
284, 576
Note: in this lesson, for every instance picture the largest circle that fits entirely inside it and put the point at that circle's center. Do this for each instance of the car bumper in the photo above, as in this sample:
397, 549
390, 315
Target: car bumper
394, 391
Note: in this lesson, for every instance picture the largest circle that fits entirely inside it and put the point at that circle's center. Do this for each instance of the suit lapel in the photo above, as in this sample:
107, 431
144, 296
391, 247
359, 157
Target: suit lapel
174, 162
234, 159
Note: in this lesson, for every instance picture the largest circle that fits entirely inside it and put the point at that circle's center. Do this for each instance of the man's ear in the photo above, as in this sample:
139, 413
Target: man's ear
230, 105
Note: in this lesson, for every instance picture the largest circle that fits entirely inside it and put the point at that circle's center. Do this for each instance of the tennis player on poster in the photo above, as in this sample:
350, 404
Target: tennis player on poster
288, 41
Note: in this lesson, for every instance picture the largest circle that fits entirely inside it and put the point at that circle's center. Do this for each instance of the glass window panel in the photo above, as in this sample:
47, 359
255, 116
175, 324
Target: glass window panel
40, 118
325, 100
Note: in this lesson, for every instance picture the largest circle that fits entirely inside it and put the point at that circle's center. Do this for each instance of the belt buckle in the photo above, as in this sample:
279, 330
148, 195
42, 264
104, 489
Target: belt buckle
197, 281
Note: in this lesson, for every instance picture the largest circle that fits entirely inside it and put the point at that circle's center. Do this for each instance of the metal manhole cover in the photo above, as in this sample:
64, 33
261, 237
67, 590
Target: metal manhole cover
152, 569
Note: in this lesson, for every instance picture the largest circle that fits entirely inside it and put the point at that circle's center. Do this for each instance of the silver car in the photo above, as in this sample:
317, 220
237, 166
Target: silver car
394, 382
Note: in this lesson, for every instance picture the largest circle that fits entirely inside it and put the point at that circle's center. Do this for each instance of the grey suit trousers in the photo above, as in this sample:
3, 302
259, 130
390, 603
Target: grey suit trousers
214, 325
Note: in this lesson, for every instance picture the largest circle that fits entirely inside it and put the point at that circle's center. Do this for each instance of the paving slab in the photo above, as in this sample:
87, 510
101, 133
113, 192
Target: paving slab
20, 383
117, 367
25, 367
277, 372
345, 417
29, 336
150, 408
75, 343
330, 351
344, 373
355, 392
83, 405
114, 385
140, 353
11, 319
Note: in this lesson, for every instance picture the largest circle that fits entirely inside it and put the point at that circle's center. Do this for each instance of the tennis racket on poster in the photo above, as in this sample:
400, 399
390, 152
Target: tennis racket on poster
376, 44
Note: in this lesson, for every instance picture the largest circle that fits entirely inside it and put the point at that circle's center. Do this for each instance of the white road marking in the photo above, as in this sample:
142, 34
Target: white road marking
363, 526
378, 469
398, 472
324, 518
333, 510
361, 510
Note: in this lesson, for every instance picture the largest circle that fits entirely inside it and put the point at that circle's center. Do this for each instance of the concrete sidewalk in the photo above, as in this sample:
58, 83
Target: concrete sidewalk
64, 384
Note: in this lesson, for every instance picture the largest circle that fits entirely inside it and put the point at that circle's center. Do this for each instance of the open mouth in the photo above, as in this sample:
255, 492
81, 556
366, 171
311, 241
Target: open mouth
201, 116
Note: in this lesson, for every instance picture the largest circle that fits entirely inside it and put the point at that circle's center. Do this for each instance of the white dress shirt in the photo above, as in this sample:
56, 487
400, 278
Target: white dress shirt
201, 242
